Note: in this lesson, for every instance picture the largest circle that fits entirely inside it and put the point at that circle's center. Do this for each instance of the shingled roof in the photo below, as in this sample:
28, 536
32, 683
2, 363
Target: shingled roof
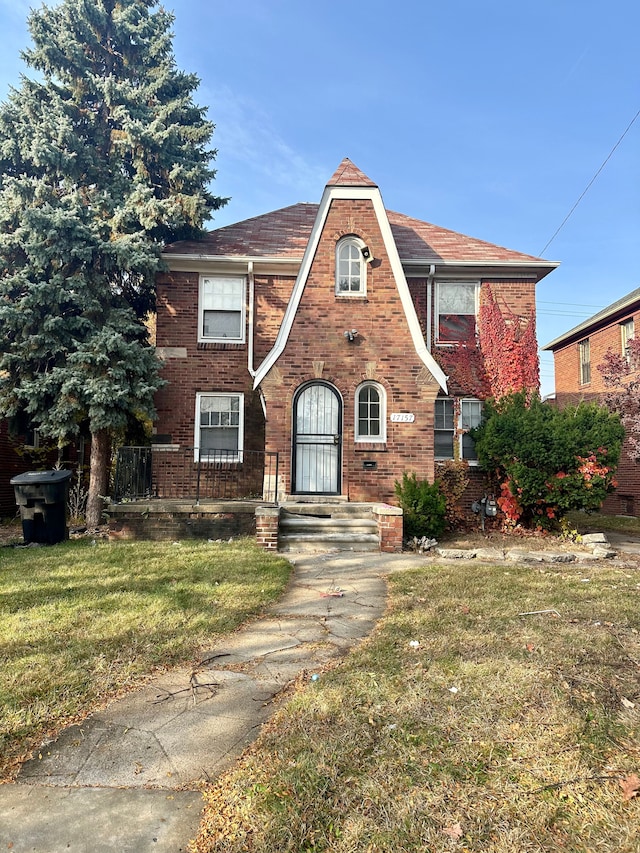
283, 234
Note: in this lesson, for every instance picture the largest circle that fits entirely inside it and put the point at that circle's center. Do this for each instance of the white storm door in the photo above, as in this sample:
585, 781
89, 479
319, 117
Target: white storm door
317, 440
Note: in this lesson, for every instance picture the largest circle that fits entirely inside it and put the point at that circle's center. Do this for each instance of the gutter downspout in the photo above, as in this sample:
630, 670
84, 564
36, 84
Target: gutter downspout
250, 367
432, 272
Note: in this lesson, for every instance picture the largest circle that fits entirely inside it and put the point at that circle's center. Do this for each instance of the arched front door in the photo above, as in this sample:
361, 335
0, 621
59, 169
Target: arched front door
317, 440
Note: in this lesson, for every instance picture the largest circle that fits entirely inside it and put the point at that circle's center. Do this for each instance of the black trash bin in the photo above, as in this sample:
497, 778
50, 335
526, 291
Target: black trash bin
42, 499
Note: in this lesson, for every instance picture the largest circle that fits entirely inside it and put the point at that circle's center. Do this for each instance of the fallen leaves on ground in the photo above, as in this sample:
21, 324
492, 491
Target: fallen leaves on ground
630, 786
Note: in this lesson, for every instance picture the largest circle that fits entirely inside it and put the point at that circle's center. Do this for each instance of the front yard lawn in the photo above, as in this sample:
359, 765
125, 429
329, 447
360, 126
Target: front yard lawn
466, 722
81, 622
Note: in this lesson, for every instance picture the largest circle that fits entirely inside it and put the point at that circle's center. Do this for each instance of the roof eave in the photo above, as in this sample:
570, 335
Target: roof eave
485, 267
617, 308
188, 262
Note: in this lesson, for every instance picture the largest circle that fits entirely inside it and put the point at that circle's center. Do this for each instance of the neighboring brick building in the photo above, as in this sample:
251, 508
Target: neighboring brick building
576, 356
324, 332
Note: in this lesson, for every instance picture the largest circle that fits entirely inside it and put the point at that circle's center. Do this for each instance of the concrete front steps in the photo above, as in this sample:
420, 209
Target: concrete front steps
316, 527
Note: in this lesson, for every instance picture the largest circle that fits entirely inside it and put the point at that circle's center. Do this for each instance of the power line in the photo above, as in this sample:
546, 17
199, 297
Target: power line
572, 304
564, 221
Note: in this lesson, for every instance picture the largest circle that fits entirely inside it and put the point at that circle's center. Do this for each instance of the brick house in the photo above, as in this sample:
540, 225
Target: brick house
325, 333
576, 356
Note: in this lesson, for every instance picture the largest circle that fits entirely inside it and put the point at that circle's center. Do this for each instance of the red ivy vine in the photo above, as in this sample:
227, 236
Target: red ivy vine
501, 359
509, 347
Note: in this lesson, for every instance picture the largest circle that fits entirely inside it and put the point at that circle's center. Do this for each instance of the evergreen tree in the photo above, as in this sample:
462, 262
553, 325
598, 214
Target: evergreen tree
104, 158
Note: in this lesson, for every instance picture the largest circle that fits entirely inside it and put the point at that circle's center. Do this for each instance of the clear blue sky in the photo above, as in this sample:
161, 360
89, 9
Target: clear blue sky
489, 118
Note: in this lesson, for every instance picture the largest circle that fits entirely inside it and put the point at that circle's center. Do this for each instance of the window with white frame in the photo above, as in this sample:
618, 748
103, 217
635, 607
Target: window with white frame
219, 430
584, 357
452, 422
370, 413
351, 269
456, 311
626, 333
221, 314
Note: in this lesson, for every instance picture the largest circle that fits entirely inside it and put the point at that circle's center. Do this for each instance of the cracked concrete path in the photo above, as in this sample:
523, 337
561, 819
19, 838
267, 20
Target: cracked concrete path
121, 780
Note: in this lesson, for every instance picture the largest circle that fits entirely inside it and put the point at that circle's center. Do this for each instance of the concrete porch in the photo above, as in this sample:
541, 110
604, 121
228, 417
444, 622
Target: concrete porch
300, 525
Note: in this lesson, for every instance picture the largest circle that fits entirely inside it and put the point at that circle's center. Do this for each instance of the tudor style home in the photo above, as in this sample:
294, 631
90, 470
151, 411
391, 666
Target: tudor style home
576, 356
323, 335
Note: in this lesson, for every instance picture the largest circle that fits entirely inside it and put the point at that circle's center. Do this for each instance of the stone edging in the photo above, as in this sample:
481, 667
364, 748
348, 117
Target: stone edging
595, 546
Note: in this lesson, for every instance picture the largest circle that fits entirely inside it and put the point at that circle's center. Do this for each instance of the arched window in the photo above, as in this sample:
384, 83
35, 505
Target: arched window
371, 418
351, 269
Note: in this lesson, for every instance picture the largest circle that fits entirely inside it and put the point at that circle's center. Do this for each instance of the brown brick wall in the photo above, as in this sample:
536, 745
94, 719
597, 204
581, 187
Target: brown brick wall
317, 350
626, 499
203, 368
10, 465
567, 361
162, 526
383, 351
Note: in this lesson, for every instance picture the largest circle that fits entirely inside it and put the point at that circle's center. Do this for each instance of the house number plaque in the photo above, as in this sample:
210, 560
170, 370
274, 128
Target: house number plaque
402, 418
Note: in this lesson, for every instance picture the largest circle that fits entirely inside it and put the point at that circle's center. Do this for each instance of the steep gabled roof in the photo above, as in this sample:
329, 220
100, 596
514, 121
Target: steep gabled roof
348, 175
631, 300
367, 193
284, 234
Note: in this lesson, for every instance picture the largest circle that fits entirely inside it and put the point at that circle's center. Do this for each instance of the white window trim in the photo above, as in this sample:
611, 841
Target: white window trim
584, 363
227, 457
368, 439
626, 326
438, 283
202, 339
352, 240
458, 431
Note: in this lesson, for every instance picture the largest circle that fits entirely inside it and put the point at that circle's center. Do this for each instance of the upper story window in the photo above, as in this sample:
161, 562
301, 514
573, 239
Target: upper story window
456, 311
351, 268
221, 309
626, 333
371, 413
219, 427
453, 419
584, 356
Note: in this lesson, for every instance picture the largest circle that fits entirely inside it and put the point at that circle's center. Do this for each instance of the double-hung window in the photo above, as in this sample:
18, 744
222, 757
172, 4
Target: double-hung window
626, 333
452, 422
219, 427
444, 429
370, 413
351, 268
584, 357
456, 310
221, 313
470, 417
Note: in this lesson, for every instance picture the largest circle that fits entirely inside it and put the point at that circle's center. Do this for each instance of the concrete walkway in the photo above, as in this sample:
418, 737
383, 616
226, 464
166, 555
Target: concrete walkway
123, 779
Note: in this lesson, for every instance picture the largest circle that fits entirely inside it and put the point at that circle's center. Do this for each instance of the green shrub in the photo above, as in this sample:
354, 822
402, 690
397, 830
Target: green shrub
548, 461
424, 506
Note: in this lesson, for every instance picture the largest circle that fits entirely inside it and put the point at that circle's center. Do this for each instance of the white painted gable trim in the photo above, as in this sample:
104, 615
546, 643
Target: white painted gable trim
362, 193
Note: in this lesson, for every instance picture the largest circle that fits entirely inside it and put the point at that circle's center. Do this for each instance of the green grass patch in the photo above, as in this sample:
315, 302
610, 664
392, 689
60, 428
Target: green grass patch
597, 522
498, 732
83, 621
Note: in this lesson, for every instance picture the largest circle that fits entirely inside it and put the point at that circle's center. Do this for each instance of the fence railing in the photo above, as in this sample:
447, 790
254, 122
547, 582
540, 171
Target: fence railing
194, 474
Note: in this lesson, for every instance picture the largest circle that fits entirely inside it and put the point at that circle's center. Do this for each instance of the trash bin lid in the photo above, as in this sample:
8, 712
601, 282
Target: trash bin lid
37, 477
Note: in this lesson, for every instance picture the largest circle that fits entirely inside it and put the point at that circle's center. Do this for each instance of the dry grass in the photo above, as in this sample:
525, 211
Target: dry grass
497, 733
81, 622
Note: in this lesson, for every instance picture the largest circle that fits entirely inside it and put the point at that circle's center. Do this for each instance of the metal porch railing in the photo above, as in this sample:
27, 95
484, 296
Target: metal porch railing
189, 473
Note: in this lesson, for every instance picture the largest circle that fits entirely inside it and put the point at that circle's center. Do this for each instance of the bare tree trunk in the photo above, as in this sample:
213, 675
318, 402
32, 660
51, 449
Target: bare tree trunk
98, 476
